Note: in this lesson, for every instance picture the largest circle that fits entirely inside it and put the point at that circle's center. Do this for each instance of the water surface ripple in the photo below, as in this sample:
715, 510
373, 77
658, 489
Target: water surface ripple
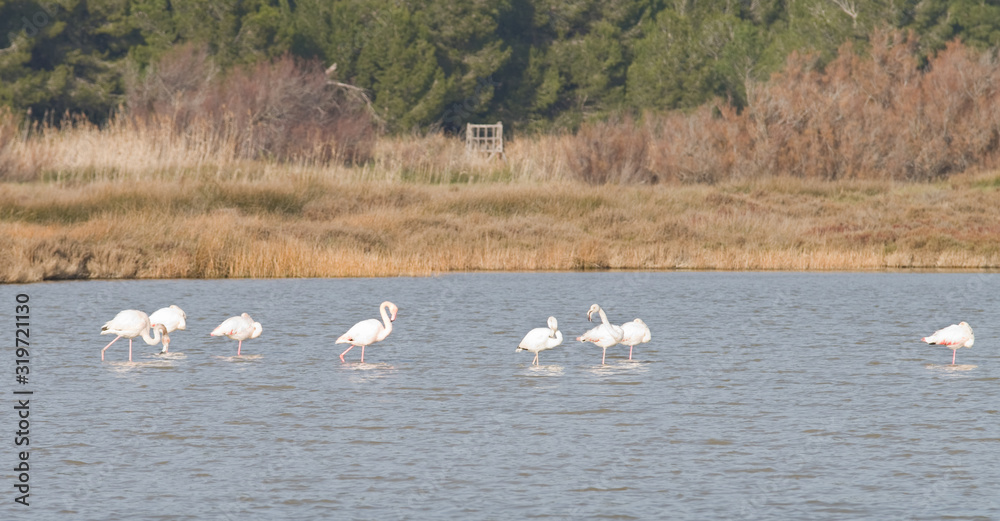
761, 396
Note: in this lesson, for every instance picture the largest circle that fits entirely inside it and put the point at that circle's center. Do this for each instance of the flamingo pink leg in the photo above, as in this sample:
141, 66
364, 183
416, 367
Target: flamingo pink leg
630, 352
239, 347
107, 346
602, 355
362, 354
130, 350
345, 352
535, 362
953, 351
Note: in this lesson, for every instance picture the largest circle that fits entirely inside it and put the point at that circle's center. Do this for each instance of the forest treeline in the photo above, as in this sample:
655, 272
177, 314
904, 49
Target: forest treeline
886, 114
427, 64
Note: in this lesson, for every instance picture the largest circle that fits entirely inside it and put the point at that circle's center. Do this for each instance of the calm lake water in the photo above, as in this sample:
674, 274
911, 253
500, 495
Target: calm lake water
761, 396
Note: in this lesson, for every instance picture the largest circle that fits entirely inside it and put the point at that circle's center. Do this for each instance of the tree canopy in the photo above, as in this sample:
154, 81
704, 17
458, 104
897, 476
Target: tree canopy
535, 64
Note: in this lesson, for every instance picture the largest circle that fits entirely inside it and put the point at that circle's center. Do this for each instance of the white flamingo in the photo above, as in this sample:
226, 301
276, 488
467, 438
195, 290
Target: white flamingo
239, 328
172, 318
635, 332
954, 336
604, 335
131, 323
367, 332
541, 339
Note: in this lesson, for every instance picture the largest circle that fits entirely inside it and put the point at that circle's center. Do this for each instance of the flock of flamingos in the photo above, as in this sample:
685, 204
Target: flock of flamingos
132, 323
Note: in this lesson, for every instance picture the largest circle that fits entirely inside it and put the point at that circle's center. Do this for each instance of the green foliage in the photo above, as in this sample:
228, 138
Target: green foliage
536, 64
62, 57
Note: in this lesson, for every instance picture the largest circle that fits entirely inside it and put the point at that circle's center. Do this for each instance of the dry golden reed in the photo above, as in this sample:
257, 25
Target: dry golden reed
315, 227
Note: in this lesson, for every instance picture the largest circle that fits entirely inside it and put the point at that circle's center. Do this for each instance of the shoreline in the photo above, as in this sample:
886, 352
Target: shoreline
942, 270
318, 227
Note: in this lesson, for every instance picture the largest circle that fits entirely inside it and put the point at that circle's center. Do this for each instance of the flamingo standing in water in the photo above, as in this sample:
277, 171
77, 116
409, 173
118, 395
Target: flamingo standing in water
954, 336
635, 332
541, 339
172, 318
239, 328
131, 323
367, 332
604, 335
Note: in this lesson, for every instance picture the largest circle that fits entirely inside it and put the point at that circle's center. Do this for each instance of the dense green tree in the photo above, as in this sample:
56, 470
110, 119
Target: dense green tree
976, 23
63, 57
683, 60
536, 64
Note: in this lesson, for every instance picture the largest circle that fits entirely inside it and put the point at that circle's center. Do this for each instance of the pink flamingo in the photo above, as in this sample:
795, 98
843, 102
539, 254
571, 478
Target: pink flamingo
239, 328
172, 318
635, 332
131, 323
954, 336
541, 339
605, 335
367, 332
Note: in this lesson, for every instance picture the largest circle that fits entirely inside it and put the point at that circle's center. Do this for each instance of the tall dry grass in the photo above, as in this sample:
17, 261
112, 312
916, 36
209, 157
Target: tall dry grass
126, 150
325, 227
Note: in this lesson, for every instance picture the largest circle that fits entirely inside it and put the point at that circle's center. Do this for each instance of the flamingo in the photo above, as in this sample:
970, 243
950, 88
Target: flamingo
541, 339
367, 332
604, 335
131, 323
172, 318
238, 328
634, 332
954, 336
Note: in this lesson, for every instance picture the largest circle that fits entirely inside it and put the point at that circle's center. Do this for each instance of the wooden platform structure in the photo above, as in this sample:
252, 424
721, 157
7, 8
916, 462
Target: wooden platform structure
486, 139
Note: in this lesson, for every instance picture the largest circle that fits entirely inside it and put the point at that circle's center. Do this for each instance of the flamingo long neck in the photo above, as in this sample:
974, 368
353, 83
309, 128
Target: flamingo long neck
552, 342
616, 334
151, 340
386, 323
604, 318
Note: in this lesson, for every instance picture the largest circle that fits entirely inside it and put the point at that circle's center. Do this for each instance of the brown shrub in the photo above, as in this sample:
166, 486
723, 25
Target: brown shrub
283, 109
609, 152
9, 131
876, 115
879, 115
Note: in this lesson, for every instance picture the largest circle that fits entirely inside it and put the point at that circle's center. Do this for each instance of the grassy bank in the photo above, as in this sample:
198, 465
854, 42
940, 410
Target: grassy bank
309, 224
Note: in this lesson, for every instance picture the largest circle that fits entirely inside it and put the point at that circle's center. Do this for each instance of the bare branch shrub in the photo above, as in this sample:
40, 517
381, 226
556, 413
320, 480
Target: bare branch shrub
694, 147
283, 109
876, 115
609, 152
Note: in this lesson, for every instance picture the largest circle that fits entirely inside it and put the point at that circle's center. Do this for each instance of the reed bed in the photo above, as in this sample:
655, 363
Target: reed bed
869, 163
311, 226
79, 152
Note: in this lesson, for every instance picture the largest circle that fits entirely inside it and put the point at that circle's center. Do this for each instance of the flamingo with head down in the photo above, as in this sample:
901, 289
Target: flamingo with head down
605, 335
541, 339
239, 328
954, 336
129, 324
172, 318
367, 332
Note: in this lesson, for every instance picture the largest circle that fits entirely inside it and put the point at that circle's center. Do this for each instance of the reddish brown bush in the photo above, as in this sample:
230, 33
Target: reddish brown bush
609, 152
876, 115
283, 109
